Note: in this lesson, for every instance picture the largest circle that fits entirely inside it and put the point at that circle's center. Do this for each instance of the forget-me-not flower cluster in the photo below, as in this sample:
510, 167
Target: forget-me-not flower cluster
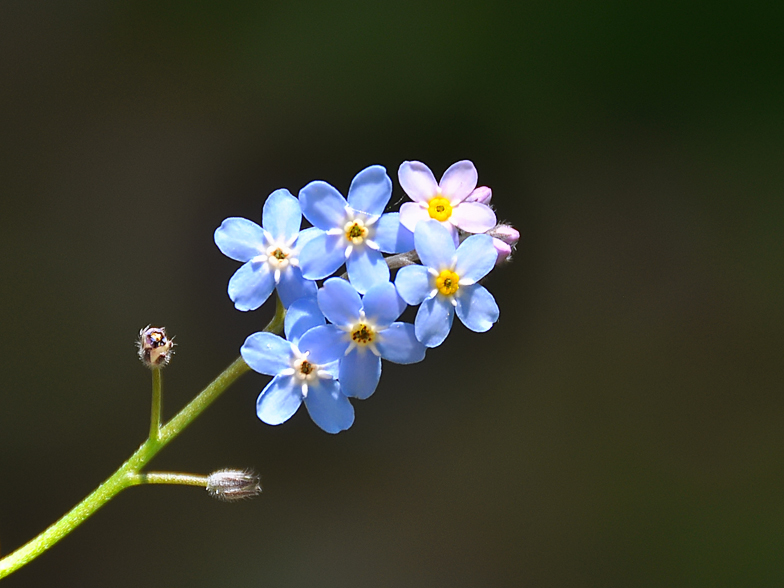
338, 330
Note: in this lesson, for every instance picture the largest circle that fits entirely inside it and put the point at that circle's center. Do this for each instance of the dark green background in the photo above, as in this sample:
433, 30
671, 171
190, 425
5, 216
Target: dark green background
623, 423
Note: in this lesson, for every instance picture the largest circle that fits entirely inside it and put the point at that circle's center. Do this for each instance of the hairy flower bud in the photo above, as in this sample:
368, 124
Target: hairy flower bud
231, 485
155, 348
482, 195
505, 239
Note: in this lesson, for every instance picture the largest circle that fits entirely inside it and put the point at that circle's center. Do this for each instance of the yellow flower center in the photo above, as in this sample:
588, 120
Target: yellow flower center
355, 231
279, 254
447, 282
362, 334
439, 208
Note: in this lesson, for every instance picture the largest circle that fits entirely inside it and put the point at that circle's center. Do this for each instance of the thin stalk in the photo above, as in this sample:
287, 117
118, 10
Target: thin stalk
129, 473
157, 399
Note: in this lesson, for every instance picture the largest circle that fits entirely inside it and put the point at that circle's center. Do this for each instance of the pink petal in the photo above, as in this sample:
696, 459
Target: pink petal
411, 213
482, 194
458, 181
417, 181
473, 217
504, 250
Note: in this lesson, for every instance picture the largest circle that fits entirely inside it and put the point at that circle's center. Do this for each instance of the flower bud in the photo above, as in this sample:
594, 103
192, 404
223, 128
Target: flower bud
482, 195
505, 239
155, 348
231, 485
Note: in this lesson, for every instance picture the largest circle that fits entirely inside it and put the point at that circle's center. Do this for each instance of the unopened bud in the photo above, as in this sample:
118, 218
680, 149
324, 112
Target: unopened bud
155, 348
505, 238
231, 485
482, 195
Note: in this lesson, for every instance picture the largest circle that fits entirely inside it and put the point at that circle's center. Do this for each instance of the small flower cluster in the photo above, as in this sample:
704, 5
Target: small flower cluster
337, 334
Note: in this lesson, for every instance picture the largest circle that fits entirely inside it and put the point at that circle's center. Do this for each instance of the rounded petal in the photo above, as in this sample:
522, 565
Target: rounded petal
279, 400
476, 308
413, 284
239, 239
366, 268
482, 194
293, 286
370, 190
391, 236
473, 217
434, 321
417, 181
383, 305
360, 372
267, 353
325, 343
281, 215
411, 214
475, 258
339, 301
458, 181
303, 315
434, 245
399, 344
322, 256
306, 236
328, 407
251, 285
323, 205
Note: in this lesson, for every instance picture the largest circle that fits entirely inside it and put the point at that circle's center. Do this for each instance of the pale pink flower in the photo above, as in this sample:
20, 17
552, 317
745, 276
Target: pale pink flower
446, 201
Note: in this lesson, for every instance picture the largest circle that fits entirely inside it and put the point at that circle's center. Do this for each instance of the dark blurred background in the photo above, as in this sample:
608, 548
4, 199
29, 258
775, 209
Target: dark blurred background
622, 424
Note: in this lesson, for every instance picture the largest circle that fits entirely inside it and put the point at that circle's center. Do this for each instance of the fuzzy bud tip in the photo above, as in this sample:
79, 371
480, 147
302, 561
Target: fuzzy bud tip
155, 348
232, 485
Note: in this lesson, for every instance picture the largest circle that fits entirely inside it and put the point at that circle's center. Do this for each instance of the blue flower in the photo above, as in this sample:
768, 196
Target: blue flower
364, 331
269, 254
447, 283
301, 371
353, 232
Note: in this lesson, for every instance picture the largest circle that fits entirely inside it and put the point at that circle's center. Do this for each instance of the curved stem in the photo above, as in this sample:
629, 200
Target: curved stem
129, 473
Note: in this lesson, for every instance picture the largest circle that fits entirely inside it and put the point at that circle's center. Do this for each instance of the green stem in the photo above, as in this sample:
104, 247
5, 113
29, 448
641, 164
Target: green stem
129, 473
169, 478
155, 413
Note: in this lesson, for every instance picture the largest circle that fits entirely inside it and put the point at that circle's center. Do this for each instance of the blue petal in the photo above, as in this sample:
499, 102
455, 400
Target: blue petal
339, 302
383, 305
434, 321
366, 268
279, 400
323, 205
434, 244
328, 407
281, 215
370, 190
251, 285
476, 308
332, 368
293, 286
399, 344
267, 353
303, 315
413, 283
391, 236
239, 239
360, 372
475, 257
306, 236
322, 256
326, 344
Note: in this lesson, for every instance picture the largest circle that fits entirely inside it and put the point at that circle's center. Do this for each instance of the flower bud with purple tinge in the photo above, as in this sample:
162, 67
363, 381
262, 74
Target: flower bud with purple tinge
232, 485
505, 239
155, 348
482, 195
